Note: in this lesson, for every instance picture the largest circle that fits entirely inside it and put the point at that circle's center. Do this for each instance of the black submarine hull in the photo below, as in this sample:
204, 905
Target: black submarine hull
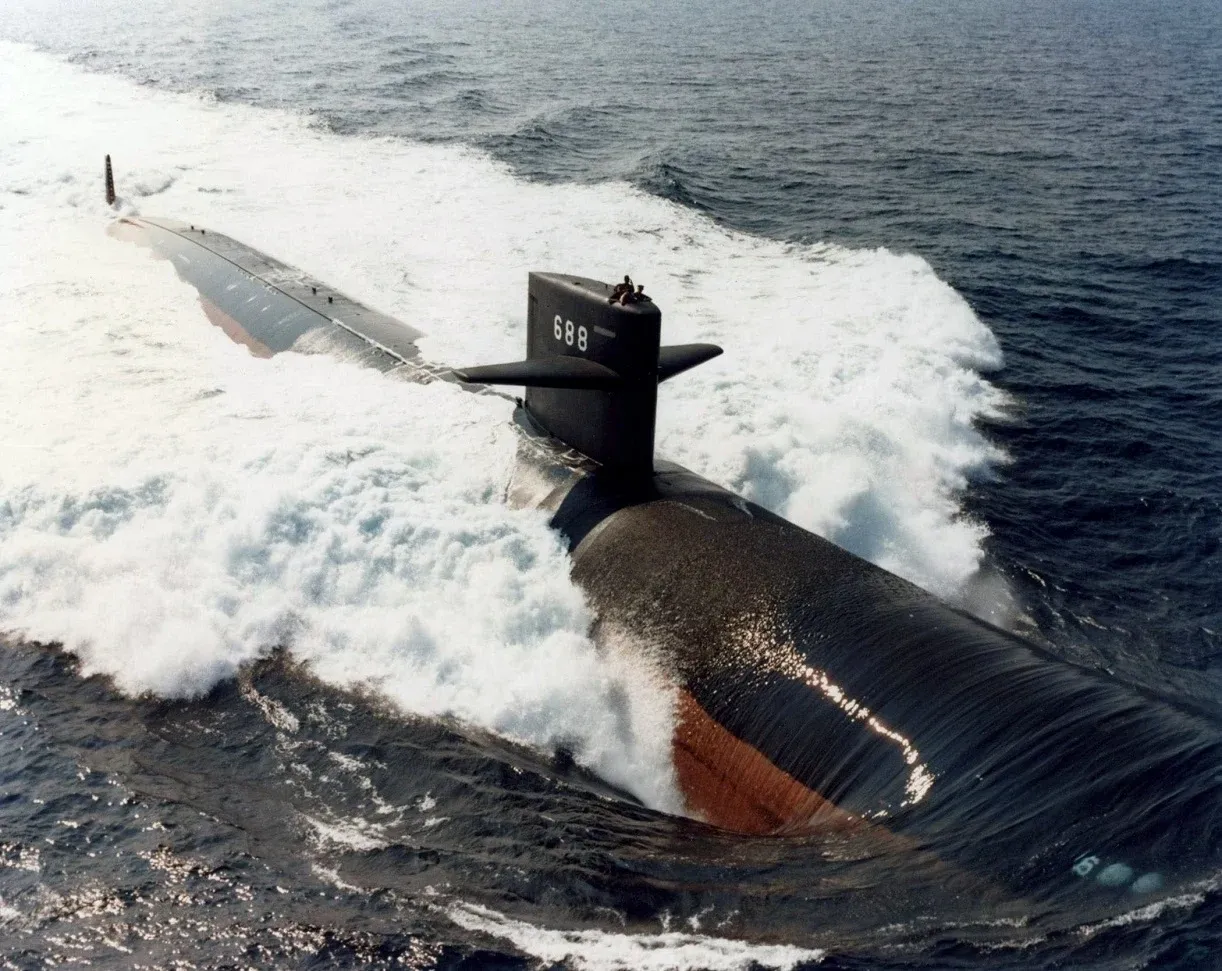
814, 690
817, 689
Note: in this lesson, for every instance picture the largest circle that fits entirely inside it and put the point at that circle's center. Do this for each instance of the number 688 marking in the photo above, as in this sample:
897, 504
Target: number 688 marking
563, 331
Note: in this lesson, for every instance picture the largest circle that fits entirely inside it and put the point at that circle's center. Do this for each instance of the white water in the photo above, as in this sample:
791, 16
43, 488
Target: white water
171, 508
594, 950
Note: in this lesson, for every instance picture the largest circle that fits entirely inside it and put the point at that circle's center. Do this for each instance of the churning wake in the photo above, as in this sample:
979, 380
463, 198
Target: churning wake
171, 508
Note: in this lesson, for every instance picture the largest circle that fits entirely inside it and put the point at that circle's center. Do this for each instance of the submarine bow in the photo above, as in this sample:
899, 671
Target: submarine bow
814, 689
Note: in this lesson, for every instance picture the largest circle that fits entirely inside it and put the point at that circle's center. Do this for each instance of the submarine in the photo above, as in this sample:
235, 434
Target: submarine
814, 691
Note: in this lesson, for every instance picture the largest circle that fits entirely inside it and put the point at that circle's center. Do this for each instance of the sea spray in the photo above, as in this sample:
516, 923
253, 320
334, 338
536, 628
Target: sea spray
172, 508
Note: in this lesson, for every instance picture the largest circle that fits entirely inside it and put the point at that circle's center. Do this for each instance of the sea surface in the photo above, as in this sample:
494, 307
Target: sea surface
284, 683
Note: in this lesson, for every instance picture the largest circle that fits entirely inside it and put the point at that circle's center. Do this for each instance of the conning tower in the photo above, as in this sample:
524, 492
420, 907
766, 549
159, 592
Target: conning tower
592, 369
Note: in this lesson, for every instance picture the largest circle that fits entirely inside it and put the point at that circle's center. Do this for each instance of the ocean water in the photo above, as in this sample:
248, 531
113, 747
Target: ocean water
285, 684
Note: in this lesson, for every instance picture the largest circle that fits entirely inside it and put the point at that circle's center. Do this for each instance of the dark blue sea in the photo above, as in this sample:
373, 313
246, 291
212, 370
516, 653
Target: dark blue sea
1046, 176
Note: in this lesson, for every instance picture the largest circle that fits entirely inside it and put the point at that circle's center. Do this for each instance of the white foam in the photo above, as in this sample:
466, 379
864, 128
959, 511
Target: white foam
847, 402
850, 384
348, 834
331, 876
592, 950
1145, 914
171, 508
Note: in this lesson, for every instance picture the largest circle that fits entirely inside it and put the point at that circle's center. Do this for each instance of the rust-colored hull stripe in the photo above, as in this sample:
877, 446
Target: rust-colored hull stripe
233, 330
732, 785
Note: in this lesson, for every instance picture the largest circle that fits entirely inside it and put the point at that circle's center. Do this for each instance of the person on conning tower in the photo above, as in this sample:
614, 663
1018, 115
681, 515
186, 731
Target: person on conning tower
617, 295
630, 296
